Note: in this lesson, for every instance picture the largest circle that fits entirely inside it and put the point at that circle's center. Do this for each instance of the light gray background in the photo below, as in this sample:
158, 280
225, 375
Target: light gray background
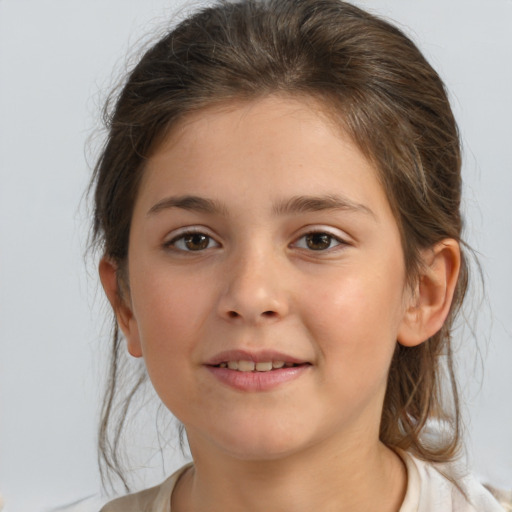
57, 60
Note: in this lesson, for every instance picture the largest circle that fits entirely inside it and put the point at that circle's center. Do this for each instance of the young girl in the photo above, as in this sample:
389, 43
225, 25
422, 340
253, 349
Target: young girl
278, 206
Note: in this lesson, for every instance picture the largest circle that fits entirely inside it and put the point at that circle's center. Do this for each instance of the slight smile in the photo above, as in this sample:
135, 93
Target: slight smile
262, 371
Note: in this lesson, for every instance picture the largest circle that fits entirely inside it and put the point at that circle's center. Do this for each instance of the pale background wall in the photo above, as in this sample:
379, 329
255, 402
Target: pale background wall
56, 62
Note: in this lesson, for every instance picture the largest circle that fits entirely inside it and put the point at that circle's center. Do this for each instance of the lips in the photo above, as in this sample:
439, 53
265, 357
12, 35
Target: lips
243, 365
264, 356
256, 371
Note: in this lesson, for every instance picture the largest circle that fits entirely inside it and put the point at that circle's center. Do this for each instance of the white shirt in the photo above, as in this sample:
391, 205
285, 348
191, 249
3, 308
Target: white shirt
427, 491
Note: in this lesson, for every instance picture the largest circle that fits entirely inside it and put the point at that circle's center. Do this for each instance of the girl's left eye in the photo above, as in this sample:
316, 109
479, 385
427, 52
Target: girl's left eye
318, 241
193, 241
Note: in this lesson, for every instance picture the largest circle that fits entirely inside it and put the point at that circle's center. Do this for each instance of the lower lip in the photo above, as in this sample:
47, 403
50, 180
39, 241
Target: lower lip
257, 381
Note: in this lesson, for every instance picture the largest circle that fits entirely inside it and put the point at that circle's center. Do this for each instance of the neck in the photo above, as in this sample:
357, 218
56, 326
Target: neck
355, 479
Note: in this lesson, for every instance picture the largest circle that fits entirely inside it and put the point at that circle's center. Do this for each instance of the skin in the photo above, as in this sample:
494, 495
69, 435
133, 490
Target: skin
311, 443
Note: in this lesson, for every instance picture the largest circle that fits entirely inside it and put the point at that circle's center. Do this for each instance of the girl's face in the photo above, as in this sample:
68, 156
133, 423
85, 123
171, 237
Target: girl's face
261, 237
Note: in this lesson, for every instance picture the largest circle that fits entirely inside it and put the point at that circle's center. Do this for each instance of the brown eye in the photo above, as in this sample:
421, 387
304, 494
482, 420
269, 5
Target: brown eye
193, 242
196, 241
318, 241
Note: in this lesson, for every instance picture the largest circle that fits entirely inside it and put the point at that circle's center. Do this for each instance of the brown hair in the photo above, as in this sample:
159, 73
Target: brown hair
377, 86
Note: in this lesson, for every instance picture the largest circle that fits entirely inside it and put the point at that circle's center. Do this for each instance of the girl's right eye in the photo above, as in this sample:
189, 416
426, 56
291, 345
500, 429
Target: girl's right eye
192, 242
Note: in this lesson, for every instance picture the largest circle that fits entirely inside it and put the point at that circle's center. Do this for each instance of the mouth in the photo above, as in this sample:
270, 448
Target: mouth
249, 361
244, 365
256, 371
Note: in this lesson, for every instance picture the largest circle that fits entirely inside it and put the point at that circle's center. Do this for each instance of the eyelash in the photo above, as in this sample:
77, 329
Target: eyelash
330, 238
320, 233
173, 243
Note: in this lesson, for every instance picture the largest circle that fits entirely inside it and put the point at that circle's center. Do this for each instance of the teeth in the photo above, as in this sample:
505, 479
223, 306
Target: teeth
263, 367
246, 366
250, 366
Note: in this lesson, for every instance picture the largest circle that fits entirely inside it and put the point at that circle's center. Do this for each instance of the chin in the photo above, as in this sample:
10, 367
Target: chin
261, 442
260, 452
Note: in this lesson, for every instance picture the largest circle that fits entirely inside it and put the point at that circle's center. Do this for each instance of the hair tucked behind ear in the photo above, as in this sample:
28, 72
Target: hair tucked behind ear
377, 86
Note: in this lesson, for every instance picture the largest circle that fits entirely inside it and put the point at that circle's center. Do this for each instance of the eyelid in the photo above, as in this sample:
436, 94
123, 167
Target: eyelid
336, 234
179, 233
194, 228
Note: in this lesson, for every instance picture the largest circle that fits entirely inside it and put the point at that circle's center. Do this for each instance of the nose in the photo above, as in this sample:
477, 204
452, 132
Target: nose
255, 291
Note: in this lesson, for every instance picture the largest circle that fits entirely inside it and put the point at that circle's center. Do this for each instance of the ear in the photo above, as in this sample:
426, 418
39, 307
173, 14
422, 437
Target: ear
120, 302
431, 300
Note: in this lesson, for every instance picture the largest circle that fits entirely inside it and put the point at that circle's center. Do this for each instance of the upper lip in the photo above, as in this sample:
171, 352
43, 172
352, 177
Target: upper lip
259, 356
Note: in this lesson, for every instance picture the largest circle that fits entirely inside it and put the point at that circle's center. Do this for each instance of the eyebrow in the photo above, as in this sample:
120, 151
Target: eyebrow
306, 204
296, 204
192, 203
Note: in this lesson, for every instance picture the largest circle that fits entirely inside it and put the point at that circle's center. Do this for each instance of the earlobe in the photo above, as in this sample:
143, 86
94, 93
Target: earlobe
108, 271
431, 302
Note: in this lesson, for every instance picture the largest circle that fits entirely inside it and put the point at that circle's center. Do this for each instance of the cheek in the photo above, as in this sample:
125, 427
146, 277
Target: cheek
171, 312
356, 323
170, 317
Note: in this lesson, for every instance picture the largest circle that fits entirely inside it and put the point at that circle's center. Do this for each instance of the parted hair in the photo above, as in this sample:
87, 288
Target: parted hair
378, 87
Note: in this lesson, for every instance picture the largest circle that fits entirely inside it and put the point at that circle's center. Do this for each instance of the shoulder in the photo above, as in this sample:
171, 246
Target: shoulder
137, 502
444, 488
154, 499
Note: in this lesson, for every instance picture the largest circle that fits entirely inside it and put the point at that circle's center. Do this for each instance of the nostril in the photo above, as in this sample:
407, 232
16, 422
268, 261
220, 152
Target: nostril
269, 313
233, 314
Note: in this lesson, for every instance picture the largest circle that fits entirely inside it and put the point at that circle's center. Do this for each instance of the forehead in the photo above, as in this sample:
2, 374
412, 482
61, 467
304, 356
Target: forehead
261, 112
292, 144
